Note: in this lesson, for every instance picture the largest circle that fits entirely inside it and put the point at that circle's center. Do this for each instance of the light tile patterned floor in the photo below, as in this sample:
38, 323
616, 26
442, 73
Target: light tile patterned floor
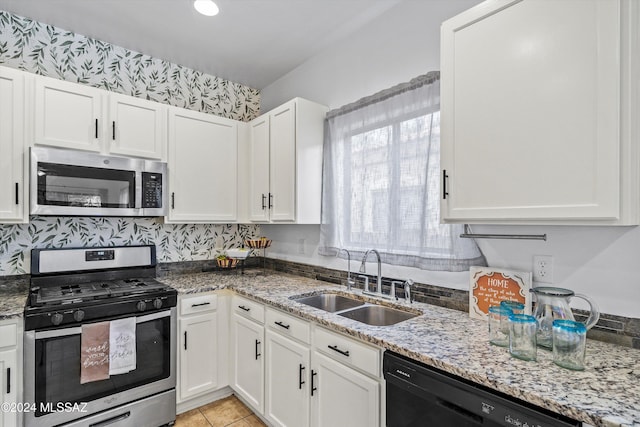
222, 413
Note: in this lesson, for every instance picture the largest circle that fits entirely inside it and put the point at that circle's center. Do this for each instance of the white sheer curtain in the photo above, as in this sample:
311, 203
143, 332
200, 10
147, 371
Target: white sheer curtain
381, 181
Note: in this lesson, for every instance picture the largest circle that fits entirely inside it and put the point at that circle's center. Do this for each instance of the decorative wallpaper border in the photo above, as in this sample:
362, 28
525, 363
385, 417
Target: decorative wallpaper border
175, 242
51, 51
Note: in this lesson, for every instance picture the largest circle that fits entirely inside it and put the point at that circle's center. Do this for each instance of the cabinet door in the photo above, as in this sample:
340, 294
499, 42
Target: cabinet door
203, 158
259, 196
9, 384
287, 394
136, 127
12, 185
342, 396
68, 115
283, 162
531, 112
198, 355
247, 377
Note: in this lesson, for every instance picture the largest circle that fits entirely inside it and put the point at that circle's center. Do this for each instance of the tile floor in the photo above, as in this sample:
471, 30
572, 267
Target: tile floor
222, 413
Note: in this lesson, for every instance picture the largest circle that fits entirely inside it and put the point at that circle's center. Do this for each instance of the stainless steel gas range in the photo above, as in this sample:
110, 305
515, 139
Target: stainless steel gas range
100, 334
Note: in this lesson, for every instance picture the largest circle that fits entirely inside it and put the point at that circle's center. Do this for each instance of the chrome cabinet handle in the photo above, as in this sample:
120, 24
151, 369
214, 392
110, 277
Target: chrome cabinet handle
264, 202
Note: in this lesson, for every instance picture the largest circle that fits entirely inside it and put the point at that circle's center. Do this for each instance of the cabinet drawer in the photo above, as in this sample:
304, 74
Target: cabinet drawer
248, 308
348, 351
289, 325
198, 304
8, 335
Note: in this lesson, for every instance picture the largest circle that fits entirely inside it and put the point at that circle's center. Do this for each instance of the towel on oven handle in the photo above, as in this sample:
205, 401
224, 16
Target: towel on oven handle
122, 346
94, 352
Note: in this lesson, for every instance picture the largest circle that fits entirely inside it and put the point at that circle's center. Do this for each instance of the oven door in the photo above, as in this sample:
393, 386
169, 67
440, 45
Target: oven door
52, 371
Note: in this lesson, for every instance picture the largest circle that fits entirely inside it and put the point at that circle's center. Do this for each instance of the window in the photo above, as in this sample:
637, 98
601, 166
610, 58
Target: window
381, 181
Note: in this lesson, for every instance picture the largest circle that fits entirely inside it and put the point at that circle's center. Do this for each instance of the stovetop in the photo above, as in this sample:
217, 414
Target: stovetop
99, 290
72, 286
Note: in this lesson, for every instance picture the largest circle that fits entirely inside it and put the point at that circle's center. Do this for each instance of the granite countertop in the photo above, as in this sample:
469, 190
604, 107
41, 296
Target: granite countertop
13, 297
606, 393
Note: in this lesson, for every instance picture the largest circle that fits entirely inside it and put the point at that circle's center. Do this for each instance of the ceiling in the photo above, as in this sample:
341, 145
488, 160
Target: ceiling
253, 42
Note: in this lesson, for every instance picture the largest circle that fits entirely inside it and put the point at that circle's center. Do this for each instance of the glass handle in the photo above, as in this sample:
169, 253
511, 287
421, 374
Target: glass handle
594, 313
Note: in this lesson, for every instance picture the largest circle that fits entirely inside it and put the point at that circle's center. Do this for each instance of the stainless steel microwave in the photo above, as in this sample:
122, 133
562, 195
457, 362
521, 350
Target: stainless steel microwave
77, 183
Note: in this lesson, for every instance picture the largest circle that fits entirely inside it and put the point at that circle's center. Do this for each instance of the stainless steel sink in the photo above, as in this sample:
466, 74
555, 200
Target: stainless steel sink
378, 315
330, 302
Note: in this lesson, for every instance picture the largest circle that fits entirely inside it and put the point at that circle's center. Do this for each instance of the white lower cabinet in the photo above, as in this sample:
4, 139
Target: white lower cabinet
295, 373
342, 396
10, 354
247, 352
287, 394
203, 331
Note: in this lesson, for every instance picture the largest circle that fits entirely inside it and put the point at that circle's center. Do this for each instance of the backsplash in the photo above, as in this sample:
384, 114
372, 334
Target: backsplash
51, 51
175, 242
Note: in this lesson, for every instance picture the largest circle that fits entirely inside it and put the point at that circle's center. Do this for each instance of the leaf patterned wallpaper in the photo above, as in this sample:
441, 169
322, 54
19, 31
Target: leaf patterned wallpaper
50, 51
174, 242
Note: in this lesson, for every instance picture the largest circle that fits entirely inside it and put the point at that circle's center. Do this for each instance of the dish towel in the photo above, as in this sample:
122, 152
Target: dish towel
94, 352
122, 346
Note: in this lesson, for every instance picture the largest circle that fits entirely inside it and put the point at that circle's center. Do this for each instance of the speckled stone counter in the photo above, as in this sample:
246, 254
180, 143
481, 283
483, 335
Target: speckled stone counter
606, 393
13, 297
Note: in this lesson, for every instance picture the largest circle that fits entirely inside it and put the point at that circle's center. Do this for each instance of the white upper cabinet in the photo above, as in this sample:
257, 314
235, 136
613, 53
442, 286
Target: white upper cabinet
13, 186
259, 169
537, 113
137, 127
203, 167
71, 115
68, 115
286, 163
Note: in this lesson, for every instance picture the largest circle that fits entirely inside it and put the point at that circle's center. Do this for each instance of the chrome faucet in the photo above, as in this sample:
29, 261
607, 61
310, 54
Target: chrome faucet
350, 281
363, 269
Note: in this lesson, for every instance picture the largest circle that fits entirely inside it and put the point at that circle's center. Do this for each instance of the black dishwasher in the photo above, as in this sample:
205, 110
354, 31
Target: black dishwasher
418, 395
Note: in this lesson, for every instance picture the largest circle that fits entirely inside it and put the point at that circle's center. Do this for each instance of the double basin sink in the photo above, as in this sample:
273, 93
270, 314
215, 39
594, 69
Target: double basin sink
371, 314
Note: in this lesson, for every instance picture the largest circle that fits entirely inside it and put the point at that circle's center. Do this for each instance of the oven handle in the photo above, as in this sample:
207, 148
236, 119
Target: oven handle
112, 420
78, 329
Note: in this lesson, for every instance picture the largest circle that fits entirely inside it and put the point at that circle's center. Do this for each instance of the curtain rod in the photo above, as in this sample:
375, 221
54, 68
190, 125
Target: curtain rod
414, 83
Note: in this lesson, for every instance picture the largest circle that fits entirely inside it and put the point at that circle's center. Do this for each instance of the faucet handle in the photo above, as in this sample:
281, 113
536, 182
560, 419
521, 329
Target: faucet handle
407, 290
393, 288
366, 282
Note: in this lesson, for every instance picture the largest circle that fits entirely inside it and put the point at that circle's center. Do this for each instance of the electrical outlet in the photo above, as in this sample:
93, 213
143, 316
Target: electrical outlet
543, 268
301, 245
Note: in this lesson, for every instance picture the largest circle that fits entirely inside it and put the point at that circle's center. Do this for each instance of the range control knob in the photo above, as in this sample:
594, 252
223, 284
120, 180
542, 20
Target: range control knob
78, 315
56, 318
157, 303
141, 306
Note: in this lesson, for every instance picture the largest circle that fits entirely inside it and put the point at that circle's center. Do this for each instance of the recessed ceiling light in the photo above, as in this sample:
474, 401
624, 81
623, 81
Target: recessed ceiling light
206, 7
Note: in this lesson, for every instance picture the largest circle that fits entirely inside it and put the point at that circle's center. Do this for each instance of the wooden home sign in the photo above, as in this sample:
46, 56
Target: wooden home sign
489, 286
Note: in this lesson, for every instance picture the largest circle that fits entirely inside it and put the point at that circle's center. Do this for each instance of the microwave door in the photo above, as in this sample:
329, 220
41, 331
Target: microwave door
73, 189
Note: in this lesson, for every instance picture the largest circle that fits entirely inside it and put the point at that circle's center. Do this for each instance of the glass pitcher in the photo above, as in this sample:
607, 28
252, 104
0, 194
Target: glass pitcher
553, 303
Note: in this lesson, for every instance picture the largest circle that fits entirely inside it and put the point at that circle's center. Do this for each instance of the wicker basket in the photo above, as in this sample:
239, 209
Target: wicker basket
259, 243
227, 262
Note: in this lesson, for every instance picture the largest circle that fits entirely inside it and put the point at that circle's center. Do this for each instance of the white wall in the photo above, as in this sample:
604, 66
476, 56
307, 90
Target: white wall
602, 262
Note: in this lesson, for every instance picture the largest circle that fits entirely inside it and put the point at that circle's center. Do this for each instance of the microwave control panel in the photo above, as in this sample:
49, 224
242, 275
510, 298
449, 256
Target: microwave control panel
151, 190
